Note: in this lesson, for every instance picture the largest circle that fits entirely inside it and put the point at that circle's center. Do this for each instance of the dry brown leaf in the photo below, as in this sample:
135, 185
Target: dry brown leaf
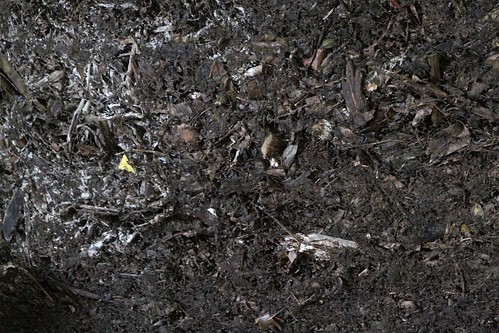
186, 133
451, 139
272, 145
218, 73
318, 59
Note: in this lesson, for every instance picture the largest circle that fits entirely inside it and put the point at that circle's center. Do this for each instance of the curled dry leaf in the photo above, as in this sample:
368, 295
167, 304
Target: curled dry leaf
477, 211
374, 79
218, 73
485, 113
87, 150
315, 61
54, 77
267, 321
272, 145
10, 81
407, 305
254, 90
319, 58
421, 114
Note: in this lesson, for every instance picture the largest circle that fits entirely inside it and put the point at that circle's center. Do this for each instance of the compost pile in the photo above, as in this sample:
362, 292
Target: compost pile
225, 166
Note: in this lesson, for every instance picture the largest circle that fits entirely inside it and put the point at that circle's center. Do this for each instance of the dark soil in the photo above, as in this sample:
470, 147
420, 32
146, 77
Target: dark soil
299, 166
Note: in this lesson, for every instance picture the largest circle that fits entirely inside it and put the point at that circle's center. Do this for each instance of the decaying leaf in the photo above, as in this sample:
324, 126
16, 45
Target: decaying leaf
421, 114
373, 79
436, 117
278, 172
105, 132
323, 130
219, 74
465, 230
267, 321
53, 78
186, 133
253, 90
107, 136
328, 43
491, 16
354, 98
448, 141
315, 61
272, 145
493, 61
10, 81
485, 113
477, 211
12, 214
476, 88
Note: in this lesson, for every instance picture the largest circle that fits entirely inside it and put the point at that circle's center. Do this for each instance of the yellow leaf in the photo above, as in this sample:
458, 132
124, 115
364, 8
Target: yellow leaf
125, 166
464, 229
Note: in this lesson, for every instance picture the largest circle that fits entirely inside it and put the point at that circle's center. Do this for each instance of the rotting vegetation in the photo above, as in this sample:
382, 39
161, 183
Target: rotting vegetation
291, 166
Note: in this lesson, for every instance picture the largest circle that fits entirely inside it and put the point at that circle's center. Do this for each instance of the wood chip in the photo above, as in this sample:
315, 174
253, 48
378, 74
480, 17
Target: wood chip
354, 99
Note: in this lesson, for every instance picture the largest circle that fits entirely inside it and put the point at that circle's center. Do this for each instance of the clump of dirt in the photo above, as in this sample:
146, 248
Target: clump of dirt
225, 167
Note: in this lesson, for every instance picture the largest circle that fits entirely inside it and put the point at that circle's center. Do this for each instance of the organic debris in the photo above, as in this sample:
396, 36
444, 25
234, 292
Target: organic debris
317, 245
267, 321
179, 166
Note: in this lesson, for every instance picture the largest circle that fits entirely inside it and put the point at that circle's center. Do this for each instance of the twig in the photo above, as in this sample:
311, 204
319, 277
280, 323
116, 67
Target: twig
328, 14
279, 223
101, 210
38, 284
